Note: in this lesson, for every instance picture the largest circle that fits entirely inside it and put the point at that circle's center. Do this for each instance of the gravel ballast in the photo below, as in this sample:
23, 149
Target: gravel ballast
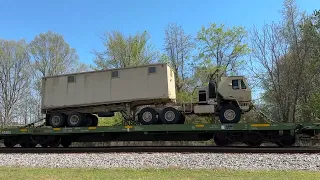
166, 160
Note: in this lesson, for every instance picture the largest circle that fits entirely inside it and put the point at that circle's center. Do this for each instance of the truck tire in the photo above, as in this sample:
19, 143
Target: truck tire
183, 119
57, 120
92, 120
148, 116
75, 119
229, 114
170, 115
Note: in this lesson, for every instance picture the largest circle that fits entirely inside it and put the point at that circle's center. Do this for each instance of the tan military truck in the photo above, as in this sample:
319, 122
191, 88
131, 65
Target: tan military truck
143, 94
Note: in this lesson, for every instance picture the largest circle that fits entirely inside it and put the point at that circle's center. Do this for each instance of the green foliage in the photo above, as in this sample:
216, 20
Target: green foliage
121, 51
184, 96
52, 56
164, 59
222, 47
312, 108
204, 71
110, 121
289, 56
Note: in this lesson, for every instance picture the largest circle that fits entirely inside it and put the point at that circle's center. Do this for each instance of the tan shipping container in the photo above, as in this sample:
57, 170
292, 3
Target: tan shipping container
142, 83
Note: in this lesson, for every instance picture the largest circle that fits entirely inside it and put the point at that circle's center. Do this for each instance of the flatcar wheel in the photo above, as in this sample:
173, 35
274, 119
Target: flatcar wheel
32, 145
286, 140
27, 145
220, 139
253, 140
53, 142
44, 145
9, 143
24, 145
66, 144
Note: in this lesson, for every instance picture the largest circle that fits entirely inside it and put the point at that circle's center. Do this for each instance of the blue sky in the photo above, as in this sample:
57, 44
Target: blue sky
82, 23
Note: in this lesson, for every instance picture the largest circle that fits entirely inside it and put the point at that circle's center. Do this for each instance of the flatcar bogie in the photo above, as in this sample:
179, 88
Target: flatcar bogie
221, 139
9, 142
253, 139
286, 140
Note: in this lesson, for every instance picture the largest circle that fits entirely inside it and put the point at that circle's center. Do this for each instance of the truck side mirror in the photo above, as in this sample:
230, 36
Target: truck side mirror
230, 84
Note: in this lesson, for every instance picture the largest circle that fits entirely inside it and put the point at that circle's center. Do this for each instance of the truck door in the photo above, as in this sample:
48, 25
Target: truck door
239, 90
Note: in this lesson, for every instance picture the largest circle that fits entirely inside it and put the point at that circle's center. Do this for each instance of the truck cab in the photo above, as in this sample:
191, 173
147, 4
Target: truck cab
235, 88
228, 98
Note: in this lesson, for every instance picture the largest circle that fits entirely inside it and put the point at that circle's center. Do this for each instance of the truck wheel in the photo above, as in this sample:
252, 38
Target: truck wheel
183, 119
229, 114
147, 116
92, 120
75, 119
57, 120
170, 115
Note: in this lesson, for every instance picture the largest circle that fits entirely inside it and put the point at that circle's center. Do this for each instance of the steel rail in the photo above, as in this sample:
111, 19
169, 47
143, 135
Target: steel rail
164, 149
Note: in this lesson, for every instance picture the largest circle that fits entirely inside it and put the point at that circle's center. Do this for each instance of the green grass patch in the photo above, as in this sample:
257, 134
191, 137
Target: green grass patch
171, 173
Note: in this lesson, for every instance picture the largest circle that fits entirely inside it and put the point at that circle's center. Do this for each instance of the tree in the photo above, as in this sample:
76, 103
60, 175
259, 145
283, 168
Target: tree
310, 37
124, 51
51, 55
283, 58
268, 49
14, 78
222, 47
178, 47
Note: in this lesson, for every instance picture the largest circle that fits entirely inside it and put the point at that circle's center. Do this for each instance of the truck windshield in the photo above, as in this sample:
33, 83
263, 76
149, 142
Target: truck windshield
243, 85
235, 84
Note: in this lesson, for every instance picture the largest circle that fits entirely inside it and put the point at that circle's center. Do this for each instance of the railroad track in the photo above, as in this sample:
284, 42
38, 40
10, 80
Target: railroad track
176, 149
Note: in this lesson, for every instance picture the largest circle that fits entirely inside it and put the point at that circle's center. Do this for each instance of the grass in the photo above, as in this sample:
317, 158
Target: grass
117, 174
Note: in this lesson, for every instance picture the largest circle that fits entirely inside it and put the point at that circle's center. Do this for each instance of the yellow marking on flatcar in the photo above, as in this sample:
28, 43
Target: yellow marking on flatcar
56, 129
92, 128
128, 127
23, 130
260, 125
199, 125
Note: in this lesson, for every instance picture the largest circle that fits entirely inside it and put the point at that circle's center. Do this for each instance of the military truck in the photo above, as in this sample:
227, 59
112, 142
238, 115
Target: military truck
143, 94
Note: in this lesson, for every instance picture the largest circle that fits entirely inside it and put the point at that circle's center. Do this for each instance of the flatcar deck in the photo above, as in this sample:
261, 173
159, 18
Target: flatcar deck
163, 128
282, 134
